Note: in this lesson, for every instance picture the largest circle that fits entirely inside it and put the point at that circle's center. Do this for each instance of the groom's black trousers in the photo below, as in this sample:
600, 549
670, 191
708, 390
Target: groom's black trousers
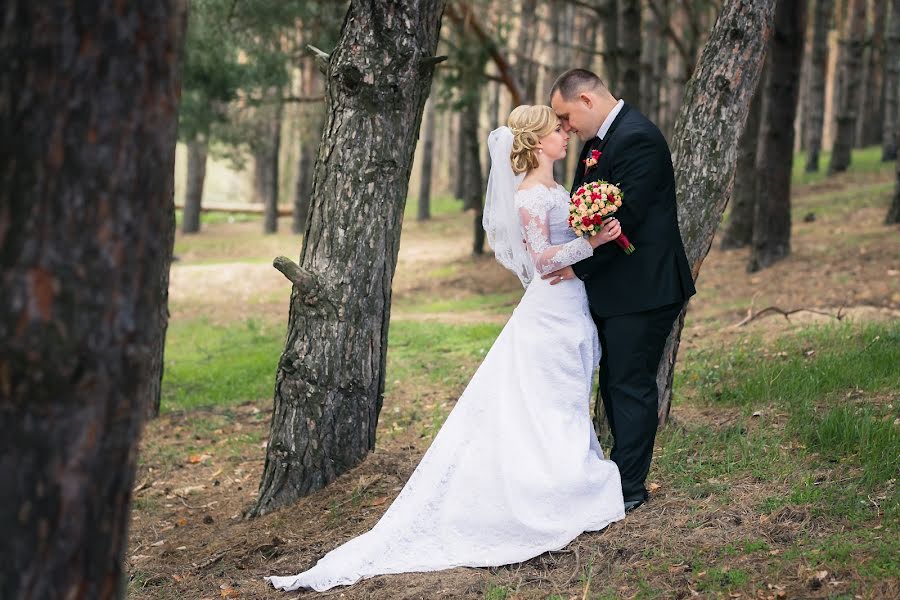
632, 348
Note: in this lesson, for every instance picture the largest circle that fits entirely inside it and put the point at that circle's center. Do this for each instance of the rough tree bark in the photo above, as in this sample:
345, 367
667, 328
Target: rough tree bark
891, 84
196, 176
628, 40
330, 377
86, 229
850, 67
775, 155
739, 231
423, 212
815, 106
716, 103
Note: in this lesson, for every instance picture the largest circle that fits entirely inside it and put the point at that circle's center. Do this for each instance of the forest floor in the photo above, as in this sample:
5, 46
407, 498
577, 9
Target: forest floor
775, 478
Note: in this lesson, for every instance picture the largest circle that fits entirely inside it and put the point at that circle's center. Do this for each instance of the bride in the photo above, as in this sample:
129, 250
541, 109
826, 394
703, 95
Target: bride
516, 469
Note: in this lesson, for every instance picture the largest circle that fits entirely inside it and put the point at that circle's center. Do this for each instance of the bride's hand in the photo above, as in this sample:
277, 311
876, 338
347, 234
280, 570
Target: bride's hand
611, 230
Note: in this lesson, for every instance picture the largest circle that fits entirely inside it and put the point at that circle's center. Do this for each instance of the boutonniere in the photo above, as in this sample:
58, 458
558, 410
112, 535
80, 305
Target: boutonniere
591, 161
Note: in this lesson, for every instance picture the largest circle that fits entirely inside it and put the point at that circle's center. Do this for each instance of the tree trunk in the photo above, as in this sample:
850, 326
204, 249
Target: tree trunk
868, 130
271, 180
852, 43
716, 104
562, 17
610, 42
424, 208
88, 118
675, 76
891, 84
330, 378
774, 157
526, 65
196, 175
461, 170
815, 107
306, 164
474, 180
893, 215
650, 77
310, 134
265, 154
739, 231
628, 40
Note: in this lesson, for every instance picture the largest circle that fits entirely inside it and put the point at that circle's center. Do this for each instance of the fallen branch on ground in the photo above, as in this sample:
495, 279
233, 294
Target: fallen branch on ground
751, 316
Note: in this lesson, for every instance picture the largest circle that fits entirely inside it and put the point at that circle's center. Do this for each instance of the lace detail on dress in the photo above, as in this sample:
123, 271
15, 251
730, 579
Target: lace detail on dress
542, 225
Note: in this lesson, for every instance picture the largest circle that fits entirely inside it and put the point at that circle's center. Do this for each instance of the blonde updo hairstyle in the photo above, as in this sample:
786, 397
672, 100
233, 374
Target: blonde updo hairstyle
529, 124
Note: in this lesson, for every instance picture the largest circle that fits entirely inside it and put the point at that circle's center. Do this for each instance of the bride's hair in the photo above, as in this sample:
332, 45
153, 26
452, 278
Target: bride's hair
529, 124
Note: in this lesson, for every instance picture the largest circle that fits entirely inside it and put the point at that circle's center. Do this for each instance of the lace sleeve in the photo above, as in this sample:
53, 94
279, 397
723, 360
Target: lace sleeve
533, 216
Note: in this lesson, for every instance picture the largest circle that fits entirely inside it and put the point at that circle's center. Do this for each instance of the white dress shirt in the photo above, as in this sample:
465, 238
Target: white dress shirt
607, 123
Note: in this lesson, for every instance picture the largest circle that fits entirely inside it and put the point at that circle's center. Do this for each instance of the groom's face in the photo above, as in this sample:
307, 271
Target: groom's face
577, 116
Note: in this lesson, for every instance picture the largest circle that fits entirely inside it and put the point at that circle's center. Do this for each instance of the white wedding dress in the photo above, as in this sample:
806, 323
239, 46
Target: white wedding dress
516, 469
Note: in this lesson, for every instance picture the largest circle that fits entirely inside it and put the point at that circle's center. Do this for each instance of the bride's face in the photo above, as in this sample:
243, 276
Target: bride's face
555, 144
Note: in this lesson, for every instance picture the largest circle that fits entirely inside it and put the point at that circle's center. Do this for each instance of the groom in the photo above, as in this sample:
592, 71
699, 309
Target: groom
634, 299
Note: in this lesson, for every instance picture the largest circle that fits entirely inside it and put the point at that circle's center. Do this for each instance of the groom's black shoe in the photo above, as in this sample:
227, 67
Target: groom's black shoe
630, 505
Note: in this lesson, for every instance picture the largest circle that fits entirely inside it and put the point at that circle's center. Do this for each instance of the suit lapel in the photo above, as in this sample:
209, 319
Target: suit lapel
589, 145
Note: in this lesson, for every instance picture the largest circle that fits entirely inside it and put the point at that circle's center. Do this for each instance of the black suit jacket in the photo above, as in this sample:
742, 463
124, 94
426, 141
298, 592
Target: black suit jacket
635, 157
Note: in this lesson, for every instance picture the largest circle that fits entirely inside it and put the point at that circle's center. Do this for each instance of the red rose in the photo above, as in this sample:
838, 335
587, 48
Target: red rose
598, 220
595, 154
586, 221
610, 197
577, 202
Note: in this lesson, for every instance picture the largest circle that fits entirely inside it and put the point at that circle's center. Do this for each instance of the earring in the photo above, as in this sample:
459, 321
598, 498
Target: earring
540, 150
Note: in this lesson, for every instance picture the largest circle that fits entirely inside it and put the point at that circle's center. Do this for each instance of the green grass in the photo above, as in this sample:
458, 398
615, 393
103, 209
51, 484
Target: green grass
442, 353
799, 369
826, 430
224, 365
825, 379
502, 302
863, 160
214, 217
443, 204
214, 365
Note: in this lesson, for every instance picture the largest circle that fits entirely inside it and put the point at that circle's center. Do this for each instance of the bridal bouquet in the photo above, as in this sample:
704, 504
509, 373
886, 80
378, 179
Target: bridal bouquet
590, 204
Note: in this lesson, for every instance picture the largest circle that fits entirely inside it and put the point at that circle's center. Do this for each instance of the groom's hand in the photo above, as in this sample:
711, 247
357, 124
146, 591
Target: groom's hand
559, 275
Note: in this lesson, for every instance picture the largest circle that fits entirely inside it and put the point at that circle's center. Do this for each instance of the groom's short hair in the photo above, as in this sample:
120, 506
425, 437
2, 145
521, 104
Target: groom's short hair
574, 81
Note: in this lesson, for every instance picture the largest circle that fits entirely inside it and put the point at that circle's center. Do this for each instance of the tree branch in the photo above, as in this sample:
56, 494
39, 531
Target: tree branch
321, 57
751, 316
297, 275
464, 17
670, 33
303, 99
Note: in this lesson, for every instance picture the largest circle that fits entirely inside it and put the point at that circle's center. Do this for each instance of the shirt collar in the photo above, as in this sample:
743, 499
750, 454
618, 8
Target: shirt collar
610, 118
